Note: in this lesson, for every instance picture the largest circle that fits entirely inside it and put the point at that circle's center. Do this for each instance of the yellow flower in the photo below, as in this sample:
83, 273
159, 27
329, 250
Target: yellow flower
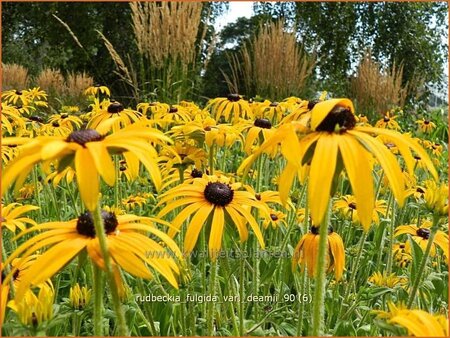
132, 201
231, 108
34, 310
11, 216
127, 240
182, 154
87, 151
54, 129
96, 90
436, 197
308, 247
152, 108
421, 234
419, 323
214, 197
276, 219
11, 119
224, 135
114, 113
380, 279
68, 173
347, 206
388, 122
174, 114
4, 292
66, 120
331, 141
79, 297
272, 111
260, 129
425, 125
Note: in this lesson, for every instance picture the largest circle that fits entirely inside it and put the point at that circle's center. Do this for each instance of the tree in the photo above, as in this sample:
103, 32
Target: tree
341, 32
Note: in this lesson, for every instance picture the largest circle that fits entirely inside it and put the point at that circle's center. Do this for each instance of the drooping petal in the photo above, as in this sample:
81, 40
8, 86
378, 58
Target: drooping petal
215, 236
359, 172
102, 160
322, 170
87, 178
196, 225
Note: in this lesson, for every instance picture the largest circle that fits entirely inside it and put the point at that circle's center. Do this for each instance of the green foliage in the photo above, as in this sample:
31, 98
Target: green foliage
408, 33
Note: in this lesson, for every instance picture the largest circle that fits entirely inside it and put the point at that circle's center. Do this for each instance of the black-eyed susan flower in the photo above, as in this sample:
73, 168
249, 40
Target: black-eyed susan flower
97, 90
383, 280
182, 154
151, 109
425, 125
259, 130
402, 254
223, 135
436, 197
347, 207
4, 292
231, 108
115, 113
418, 323
276, 219
127, 240
388, 121
273, 111
33, 310
16, 97
54, 129
331, 141
79, 297
174, 114
132, 202
12, 216
11, 119
216, 198
307, 249
65, 119
55, 177
88, 153
436, 148
421, 235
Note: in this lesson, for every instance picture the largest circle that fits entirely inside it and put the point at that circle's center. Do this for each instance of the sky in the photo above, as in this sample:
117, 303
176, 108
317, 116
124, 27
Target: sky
237, 10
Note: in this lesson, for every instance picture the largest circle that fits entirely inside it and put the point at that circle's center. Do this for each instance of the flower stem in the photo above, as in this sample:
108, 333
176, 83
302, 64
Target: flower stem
212, 292
319, 292
100, 233
423, 263
241, 290
98, 300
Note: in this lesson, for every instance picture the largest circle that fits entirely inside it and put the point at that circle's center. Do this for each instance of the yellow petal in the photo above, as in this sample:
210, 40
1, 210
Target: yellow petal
215, 236
196, 225
87, 178
321, 110
102, 161
321, 175
357, 165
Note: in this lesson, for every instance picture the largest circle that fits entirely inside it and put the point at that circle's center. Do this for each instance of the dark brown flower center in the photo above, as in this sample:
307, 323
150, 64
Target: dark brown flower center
207, 128
258, 197
64, 116
352, 205
18, 92
386, 119
262, 123
423, 232
402, 246
16, 274
195, 173
173, 110
218, 193
36, 119
55, 124
115, 108
426, 122
339, 116
274, 104
420, 190
274, 217
315, 230
312, 103
233, 97
85, 223
84, 136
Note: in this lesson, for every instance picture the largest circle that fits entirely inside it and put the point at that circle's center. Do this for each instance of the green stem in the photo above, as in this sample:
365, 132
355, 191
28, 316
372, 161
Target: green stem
423, 263
98, 301
241, 290
319, 292
100, 233
212, 292
211, 159
148, 311
391, 239
301, 287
